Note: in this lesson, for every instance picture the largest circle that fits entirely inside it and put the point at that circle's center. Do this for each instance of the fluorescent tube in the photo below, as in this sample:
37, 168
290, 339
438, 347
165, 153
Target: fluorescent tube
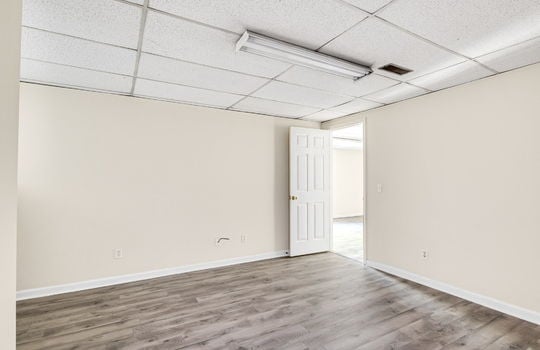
269, 47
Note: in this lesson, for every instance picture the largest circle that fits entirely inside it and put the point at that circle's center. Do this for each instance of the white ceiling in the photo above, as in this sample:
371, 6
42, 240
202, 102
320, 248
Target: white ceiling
355, 132
183, 51
349, 138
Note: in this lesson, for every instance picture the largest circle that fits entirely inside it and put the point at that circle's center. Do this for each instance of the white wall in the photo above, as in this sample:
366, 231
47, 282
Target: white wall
158, 179
10, 23
461, 176
348, 183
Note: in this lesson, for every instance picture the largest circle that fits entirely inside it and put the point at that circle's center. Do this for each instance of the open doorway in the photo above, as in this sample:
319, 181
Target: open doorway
348, 192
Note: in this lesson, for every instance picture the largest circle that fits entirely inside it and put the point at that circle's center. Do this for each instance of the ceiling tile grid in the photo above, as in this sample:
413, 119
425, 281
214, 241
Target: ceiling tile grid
309, 23
357, 105
472, 28
106, 21
376, 43
174, 92
514, 56
172, 37
324, 115
56, 48
185, 51
66, 76
459, 74
334, 83
284, 92
186, 73
282, 109
396, 93
370, 6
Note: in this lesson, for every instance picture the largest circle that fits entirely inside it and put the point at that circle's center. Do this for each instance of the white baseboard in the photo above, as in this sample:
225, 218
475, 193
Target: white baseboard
516, 311
109, 281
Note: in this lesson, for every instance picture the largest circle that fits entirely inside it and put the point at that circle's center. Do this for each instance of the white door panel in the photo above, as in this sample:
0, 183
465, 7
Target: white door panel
310, 192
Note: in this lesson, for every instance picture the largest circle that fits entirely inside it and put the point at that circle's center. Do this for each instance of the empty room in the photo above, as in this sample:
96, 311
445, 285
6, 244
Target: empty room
270, 174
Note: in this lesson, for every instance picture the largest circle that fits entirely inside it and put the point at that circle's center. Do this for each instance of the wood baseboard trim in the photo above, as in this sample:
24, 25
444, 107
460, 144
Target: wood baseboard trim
512, 310
109, 281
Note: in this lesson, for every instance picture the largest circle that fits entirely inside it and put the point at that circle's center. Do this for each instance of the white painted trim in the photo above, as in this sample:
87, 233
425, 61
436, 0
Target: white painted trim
513, 310
365, 191
331, 187
352, 122
109, 281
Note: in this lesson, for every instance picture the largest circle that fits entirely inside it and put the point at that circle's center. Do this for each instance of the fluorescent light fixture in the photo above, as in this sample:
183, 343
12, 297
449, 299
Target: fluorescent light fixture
338, 143
268, 47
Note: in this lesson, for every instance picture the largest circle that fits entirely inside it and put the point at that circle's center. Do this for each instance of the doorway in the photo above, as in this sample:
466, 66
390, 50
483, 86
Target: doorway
348, 192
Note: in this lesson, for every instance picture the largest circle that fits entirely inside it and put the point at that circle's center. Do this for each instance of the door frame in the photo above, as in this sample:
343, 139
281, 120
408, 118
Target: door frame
341, 124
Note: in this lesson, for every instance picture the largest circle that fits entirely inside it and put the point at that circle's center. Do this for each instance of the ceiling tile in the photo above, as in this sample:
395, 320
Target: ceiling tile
355, 106
309, 23
105, 21
459, 74
370, 6
166, 91
284, 92
397, 93
49, 73
377, 43
355, 132
513, 57
325, 115
185, 73
57, 48
472, 28
371, 83
259, 105
188, 41
337, 84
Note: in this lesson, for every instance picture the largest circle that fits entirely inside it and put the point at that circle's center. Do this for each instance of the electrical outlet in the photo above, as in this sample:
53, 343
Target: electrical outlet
243, 238
379, 188
424, 254
118, 254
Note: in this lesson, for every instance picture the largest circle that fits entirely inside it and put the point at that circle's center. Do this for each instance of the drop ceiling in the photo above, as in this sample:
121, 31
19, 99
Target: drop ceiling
349, 138
183, 51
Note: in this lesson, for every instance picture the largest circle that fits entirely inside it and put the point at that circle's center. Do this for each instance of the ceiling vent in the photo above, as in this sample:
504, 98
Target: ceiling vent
392, 68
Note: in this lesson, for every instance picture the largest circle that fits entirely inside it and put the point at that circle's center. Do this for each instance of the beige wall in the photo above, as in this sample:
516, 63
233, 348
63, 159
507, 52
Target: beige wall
461, 176
10, 23
157, 179
348, 183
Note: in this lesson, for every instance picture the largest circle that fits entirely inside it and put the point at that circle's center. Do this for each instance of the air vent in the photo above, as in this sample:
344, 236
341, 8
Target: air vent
395, 69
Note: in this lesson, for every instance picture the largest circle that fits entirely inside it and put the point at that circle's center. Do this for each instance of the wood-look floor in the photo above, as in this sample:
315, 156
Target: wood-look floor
348, 238
321, 301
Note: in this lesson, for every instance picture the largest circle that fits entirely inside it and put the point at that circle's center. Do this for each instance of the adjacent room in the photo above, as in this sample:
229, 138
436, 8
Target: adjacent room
270, 174
348, 192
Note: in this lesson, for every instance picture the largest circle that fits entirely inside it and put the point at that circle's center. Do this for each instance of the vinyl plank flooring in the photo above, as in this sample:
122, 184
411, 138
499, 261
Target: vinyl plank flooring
316, 302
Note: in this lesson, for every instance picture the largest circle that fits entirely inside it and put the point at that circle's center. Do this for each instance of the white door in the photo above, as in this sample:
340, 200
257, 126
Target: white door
310, 192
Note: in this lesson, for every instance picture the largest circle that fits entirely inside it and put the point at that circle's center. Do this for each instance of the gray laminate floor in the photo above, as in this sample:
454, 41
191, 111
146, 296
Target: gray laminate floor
348, 237
321, 301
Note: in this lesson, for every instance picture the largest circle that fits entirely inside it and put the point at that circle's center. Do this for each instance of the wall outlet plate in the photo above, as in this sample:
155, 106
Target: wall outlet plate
117, 253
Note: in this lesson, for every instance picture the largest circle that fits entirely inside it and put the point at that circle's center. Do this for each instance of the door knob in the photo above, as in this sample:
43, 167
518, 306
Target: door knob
293, 198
